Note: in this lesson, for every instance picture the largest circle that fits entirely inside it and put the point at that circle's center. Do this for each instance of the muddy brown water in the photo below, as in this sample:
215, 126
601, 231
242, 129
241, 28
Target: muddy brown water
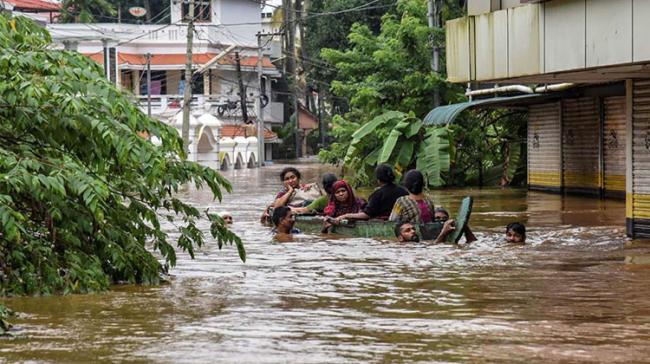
577, 292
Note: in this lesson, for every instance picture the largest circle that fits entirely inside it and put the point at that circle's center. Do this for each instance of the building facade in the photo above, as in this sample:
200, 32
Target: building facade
584, 68
225, 59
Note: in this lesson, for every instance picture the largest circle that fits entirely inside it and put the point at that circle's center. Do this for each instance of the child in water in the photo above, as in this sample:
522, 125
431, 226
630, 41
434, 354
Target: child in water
516, 233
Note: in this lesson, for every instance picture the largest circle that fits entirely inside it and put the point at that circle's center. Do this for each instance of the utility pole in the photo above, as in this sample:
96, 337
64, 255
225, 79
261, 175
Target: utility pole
433, 17
242, 91
149, 84
321, 122
187, 96
260, 109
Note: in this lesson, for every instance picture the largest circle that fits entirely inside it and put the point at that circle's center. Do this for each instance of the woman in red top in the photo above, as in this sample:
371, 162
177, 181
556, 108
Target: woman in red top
343, 201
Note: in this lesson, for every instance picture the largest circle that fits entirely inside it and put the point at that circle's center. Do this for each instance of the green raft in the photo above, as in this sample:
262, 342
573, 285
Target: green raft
386, 229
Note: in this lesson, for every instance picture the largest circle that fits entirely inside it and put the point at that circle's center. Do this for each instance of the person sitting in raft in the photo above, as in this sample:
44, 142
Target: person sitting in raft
441, 215
406, 232
414, 208
381, 201
318, 205
516, 233
294, 193
227, 217
343, 201
283, 221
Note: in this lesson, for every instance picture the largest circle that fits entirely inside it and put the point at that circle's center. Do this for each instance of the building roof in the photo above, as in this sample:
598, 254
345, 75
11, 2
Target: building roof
242, 130
179, 59
307, 120
34, 5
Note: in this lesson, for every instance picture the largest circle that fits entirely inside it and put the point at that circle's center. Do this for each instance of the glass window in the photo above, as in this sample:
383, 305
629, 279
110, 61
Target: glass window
202, 10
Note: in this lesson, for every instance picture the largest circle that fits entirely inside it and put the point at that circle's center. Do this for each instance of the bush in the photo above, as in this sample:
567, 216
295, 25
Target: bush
81, 190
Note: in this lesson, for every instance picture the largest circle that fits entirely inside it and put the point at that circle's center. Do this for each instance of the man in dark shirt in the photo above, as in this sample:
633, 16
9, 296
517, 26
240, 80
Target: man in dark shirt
381, 201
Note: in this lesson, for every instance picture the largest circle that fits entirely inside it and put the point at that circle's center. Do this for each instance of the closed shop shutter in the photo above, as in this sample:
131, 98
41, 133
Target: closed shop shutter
544, 149
640, 160
614, 146
580, 137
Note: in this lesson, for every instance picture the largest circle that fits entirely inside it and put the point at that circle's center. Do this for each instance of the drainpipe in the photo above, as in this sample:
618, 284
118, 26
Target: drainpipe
489, 91
519, 88
555, 87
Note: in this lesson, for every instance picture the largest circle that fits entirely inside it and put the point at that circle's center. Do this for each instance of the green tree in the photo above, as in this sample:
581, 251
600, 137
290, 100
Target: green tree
82, 192
85, 11
391, 72
104, 11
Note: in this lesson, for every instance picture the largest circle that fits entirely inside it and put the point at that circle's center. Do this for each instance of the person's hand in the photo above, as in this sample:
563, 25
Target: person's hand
448, 227
307, 186
339, 219
289, 187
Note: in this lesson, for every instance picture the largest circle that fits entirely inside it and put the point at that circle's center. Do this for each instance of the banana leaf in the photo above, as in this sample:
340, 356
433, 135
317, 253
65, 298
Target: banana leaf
368, 128
405, 154
371, 159
413, 129
389, 145
514, 159
373, 124
433, 155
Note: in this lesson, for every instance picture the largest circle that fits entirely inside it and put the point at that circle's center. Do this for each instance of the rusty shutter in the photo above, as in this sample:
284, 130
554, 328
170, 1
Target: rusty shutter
581, 140
640, 160
614, 146
544, 149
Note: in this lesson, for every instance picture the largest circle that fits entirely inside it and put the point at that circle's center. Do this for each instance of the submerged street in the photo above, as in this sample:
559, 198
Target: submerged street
576, 292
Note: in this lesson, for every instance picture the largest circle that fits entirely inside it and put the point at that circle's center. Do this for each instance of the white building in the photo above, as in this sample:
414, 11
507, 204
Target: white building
41, 11
124, 50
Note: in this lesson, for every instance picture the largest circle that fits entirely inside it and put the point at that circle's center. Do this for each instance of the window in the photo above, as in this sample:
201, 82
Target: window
202, 10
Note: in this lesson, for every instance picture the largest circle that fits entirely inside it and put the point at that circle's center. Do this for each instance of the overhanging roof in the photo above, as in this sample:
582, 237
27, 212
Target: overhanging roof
446, 114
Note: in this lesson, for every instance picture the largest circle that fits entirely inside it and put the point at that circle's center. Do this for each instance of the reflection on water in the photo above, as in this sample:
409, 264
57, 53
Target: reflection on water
577, 293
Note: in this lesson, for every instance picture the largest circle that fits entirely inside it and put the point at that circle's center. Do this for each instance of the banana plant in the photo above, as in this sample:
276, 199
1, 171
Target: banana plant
403, 141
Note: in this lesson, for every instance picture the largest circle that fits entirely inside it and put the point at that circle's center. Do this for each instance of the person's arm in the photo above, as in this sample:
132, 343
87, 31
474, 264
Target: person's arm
469, 235
356, 216
284, 199
316, 206
447, 228
265, 215
301, 210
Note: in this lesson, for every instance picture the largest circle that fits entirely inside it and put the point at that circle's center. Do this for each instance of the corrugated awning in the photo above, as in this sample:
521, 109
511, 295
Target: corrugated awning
446, 114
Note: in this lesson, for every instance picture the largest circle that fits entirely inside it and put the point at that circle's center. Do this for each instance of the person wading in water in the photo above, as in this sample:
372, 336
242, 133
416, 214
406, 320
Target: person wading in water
283, 220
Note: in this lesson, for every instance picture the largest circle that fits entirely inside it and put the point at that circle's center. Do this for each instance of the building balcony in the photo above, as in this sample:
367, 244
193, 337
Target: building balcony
225, 107
548, 42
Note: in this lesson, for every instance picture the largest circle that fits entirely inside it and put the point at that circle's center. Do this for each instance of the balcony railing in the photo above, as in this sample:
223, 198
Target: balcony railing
225, 107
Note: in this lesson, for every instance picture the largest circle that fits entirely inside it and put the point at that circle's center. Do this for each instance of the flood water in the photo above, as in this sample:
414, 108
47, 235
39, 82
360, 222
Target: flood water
578, 292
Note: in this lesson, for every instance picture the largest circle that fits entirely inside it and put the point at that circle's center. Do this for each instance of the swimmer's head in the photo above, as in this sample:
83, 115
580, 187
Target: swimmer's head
406, 232
516, 233
226, 216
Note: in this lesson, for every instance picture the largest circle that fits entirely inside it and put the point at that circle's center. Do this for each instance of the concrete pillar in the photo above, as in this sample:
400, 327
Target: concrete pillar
629, 150
206, 83
638, 172
136, 82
